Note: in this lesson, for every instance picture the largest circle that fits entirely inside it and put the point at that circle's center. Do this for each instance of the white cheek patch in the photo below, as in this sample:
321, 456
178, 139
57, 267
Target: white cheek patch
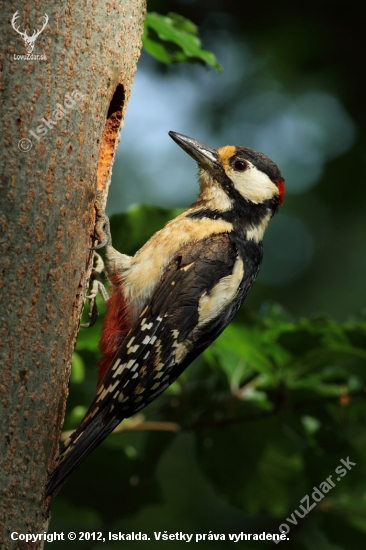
253, 184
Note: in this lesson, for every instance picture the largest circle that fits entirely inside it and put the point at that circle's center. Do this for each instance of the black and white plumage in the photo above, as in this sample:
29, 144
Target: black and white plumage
179, 291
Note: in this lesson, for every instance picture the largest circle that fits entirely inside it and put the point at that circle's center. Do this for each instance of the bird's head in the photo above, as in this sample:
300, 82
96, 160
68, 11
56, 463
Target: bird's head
235, 177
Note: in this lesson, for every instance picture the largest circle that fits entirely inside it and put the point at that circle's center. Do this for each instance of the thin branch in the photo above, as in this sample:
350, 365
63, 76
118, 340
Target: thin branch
137, 423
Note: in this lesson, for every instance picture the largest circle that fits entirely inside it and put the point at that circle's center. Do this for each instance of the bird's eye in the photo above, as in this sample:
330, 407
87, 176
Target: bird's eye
240, 165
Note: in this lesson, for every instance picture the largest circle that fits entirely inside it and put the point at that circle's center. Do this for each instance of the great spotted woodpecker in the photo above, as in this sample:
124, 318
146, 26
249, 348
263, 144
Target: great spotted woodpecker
179, 291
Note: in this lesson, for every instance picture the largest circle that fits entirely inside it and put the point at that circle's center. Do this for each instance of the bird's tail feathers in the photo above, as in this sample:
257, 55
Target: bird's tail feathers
81, 445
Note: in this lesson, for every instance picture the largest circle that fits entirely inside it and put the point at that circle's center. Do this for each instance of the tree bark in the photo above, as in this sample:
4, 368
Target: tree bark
67, 110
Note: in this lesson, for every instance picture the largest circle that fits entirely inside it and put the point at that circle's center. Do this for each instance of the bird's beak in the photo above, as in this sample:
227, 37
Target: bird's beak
205, 156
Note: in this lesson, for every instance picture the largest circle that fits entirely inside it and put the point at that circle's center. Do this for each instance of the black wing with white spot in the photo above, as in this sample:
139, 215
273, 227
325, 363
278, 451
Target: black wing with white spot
197, 297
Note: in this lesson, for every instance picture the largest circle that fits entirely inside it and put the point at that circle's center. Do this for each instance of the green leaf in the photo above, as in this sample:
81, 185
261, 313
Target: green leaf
245, 344
173, 39
133, 228
77, 369
310, 423
77, 414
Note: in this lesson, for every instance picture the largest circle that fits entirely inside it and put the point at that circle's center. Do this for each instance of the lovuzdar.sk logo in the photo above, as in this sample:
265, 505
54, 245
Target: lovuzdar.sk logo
29, 41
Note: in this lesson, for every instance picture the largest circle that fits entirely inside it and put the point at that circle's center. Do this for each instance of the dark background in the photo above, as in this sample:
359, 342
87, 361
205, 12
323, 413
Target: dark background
292, 86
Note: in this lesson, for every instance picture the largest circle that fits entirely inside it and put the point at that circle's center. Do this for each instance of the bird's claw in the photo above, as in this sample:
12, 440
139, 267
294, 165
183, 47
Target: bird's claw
96, 286
100, 245
102, 230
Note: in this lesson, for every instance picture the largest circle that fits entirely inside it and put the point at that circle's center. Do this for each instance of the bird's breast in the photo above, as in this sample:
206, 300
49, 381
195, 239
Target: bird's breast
150, 262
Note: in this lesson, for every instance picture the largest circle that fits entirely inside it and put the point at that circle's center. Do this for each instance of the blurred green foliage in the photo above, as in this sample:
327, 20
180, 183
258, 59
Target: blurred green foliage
173, 39
263, 416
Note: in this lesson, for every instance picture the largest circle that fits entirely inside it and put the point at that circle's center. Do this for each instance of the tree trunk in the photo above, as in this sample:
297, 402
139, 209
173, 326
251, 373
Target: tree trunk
60, 126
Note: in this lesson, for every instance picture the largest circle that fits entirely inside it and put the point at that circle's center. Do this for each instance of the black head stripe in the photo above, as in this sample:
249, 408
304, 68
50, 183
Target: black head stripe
242, 216
260, 161
243, 212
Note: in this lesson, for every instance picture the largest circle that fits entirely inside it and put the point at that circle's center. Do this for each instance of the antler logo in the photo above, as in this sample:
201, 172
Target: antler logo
28, 40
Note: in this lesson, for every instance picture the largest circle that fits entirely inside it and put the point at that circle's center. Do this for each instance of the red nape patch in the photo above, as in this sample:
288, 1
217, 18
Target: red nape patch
116, 325
281, 189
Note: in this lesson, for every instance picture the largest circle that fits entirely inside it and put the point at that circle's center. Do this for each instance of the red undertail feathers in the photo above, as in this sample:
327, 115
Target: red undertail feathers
116, 325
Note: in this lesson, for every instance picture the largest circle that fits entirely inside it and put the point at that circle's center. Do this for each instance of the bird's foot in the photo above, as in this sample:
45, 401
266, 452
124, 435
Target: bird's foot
102, 230
96, 285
